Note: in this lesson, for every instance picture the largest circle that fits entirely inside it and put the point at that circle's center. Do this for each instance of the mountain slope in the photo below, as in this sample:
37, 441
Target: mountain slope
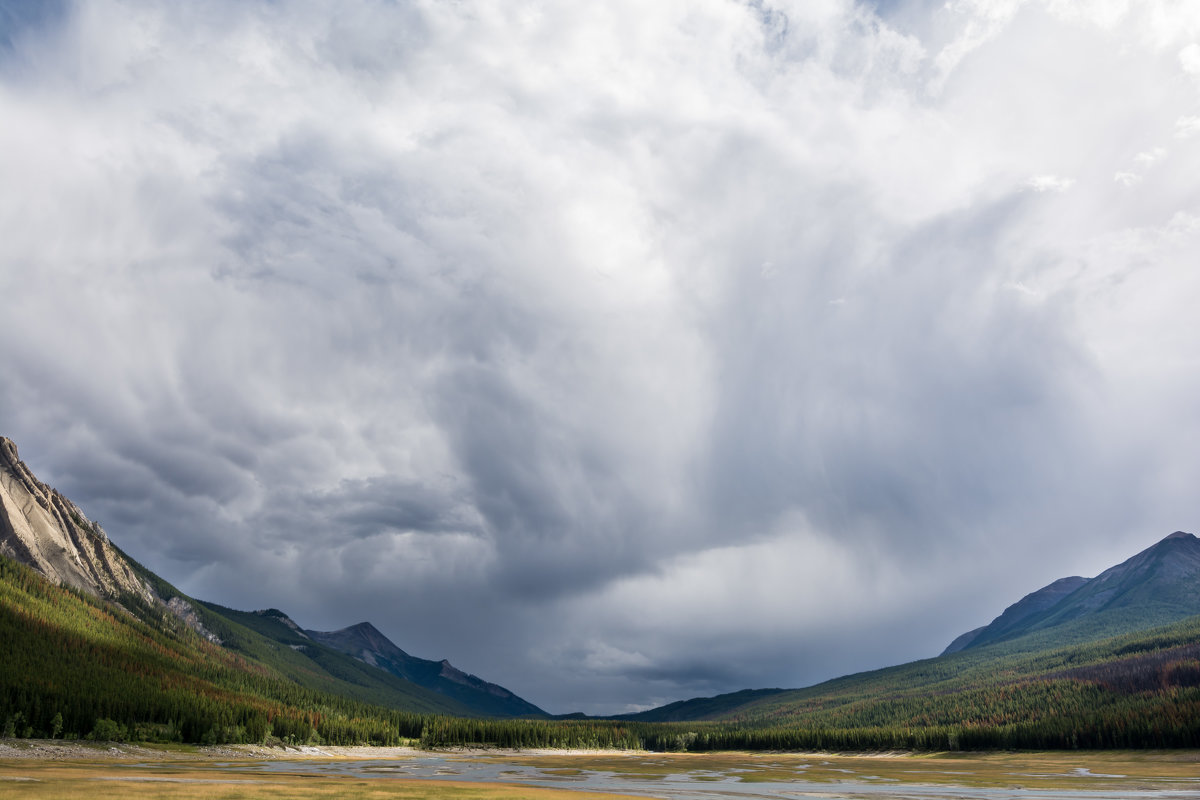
43, 530
704, 708
1058, 646
271, 638
1031, 605
1157, 586
364, 642
1164, 579
1136, 690
75, 664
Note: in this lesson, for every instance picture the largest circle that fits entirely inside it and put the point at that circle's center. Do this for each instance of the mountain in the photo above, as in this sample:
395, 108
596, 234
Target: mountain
1139, 689
364, 642
42, 528
77, 665
68, 595
1157, 586
1031, 605
1111, 661
271, 638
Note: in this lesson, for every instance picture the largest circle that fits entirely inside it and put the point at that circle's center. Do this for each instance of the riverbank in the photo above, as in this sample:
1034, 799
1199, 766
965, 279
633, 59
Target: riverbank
62, 750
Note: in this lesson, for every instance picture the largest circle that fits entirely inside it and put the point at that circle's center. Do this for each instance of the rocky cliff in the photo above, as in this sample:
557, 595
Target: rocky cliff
43, 529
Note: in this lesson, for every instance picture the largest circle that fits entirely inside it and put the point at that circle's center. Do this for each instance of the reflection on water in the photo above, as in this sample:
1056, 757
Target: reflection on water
762, 780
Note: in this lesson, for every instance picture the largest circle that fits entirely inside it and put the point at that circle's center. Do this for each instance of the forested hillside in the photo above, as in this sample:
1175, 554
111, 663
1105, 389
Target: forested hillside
1159, 585
90, 634
265, 638
74, 665
1137, 690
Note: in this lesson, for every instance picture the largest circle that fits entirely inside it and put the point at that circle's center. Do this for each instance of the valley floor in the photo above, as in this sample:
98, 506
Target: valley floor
60, 750
43, 769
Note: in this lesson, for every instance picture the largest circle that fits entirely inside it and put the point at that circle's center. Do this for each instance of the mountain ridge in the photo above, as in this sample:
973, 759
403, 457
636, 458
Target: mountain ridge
1161, 582
1029, 605
44, 530
365, 642
1157, 589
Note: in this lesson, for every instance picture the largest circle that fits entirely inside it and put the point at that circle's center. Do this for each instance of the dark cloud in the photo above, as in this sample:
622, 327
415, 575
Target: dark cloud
21, 20
617, 356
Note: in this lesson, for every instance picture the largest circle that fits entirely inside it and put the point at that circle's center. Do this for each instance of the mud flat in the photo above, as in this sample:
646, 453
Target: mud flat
38, 770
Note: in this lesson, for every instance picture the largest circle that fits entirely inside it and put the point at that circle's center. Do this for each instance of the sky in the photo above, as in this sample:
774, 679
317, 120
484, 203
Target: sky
619, 352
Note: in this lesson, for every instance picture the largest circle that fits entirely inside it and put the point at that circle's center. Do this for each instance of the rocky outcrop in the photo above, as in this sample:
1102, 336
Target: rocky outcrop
187, 614
43, 529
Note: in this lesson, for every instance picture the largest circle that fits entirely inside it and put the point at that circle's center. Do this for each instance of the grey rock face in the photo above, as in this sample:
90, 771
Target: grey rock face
43, 529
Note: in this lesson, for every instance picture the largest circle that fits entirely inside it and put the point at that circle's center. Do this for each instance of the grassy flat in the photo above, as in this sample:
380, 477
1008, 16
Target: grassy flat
223, 778
40, 780
1050, 770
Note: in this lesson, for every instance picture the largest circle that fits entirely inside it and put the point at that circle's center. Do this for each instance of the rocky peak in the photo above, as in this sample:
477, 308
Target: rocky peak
363, 641
43, 529
371, 638
1175, 557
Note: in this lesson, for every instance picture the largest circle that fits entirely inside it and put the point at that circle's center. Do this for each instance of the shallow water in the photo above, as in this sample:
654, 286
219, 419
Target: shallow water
761, 779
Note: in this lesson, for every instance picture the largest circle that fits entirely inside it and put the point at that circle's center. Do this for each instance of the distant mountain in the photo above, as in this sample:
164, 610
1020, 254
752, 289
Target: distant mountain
1114, 659
1157, 586
271, 638
1031, 605
364, 642
1137, 690
47, 533
717, 707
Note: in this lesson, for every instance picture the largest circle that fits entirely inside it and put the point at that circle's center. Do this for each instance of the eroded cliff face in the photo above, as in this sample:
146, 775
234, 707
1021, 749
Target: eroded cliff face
43, 529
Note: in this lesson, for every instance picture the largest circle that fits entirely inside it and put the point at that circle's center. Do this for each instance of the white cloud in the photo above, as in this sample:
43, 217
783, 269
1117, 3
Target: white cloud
1032, 294
1050, 183
982, 21
1187, 126
1127, 178
1150, 157
1189, 59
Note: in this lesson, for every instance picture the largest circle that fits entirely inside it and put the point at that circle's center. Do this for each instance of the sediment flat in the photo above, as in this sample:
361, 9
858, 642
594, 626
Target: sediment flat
43, 769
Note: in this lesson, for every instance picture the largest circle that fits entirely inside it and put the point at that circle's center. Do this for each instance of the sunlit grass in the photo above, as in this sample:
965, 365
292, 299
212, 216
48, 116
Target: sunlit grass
39, 780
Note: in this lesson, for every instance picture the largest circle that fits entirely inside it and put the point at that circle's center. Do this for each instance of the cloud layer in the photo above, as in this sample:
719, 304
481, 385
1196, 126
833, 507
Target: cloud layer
618, 353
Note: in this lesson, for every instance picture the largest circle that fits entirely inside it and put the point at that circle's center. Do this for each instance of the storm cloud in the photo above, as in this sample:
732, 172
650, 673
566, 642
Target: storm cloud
620, 352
